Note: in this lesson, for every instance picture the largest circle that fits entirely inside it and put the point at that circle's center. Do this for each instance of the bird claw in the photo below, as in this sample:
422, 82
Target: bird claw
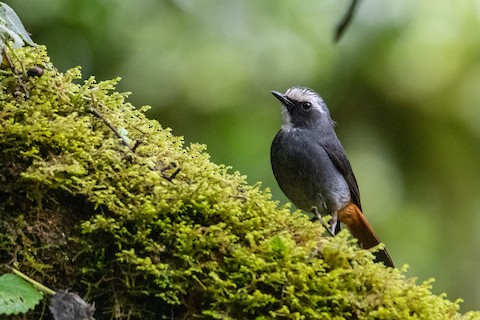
325, 221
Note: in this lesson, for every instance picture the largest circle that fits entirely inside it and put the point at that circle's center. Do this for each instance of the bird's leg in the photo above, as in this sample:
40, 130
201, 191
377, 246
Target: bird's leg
333, 222
326, 225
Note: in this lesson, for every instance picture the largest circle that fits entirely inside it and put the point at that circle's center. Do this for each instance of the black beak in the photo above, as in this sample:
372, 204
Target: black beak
283, 98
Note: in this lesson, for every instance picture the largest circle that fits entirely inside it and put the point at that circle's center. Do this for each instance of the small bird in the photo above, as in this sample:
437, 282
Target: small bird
312, 169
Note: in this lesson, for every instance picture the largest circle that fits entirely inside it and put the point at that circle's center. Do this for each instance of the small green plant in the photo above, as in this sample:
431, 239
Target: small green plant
12, 29
20, 294
16, 295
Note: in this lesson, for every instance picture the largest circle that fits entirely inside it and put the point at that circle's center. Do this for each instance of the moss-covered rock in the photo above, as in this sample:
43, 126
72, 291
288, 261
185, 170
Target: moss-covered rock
98, 198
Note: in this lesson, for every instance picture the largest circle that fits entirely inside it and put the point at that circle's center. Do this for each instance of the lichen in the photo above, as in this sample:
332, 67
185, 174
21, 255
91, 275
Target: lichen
96, 197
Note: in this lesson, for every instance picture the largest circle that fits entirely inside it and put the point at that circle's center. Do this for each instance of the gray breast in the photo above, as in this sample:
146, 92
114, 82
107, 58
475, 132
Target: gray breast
306, 174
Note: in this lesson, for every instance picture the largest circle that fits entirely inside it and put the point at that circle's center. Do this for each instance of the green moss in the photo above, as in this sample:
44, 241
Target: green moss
98, 198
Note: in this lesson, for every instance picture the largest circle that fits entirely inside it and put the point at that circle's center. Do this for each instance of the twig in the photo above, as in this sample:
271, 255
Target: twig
17, 74
35, 283
346, 20
173, 175
135, 145
16, 57
99, 115
125, 140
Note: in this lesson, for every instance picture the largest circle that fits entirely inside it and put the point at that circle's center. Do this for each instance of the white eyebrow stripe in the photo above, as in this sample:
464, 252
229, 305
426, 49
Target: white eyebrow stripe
305, 94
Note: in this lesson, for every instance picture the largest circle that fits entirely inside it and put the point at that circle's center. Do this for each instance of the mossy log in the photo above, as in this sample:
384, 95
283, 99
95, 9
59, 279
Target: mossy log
97, 198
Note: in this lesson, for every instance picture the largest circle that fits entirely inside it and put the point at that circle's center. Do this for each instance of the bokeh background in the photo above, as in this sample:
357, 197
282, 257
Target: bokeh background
403, 85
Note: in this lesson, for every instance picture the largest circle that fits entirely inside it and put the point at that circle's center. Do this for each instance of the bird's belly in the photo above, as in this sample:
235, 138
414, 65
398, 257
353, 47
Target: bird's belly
310, 179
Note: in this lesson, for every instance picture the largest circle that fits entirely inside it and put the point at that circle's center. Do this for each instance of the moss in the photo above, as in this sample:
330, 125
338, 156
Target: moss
98, 198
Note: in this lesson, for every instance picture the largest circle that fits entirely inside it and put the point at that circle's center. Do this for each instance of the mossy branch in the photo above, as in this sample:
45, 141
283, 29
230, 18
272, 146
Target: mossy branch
86, 206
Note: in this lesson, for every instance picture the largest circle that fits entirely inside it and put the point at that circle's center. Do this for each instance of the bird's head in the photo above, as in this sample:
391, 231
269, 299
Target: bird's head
303, 108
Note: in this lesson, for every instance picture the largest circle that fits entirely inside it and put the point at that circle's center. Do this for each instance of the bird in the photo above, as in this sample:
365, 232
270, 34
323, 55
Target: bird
312, 168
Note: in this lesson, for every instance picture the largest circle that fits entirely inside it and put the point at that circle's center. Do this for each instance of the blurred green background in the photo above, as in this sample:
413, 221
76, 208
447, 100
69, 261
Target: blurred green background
403, 85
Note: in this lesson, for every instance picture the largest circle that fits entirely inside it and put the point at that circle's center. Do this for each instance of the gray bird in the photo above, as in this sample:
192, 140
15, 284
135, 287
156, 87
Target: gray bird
312, 169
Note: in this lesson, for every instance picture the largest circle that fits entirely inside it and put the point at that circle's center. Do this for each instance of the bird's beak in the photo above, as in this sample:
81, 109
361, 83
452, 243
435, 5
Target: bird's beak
283, 98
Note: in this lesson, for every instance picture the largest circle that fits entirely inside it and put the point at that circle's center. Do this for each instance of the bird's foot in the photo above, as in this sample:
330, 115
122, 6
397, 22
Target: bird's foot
325, 221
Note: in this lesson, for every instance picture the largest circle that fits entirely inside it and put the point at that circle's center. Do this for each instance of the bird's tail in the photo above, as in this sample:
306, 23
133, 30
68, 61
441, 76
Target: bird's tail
358, 225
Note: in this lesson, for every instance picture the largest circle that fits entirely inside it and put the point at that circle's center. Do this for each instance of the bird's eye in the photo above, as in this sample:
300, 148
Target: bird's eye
306, 105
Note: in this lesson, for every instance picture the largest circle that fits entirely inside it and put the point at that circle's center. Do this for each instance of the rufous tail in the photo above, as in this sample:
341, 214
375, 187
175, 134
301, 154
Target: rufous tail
358, 225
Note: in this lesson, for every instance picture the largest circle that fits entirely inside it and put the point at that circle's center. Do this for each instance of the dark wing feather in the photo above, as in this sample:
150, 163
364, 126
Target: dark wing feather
339, 158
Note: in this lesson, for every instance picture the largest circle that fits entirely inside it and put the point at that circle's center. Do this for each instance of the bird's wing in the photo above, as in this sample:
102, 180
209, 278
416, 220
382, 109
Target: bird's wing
339, 158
